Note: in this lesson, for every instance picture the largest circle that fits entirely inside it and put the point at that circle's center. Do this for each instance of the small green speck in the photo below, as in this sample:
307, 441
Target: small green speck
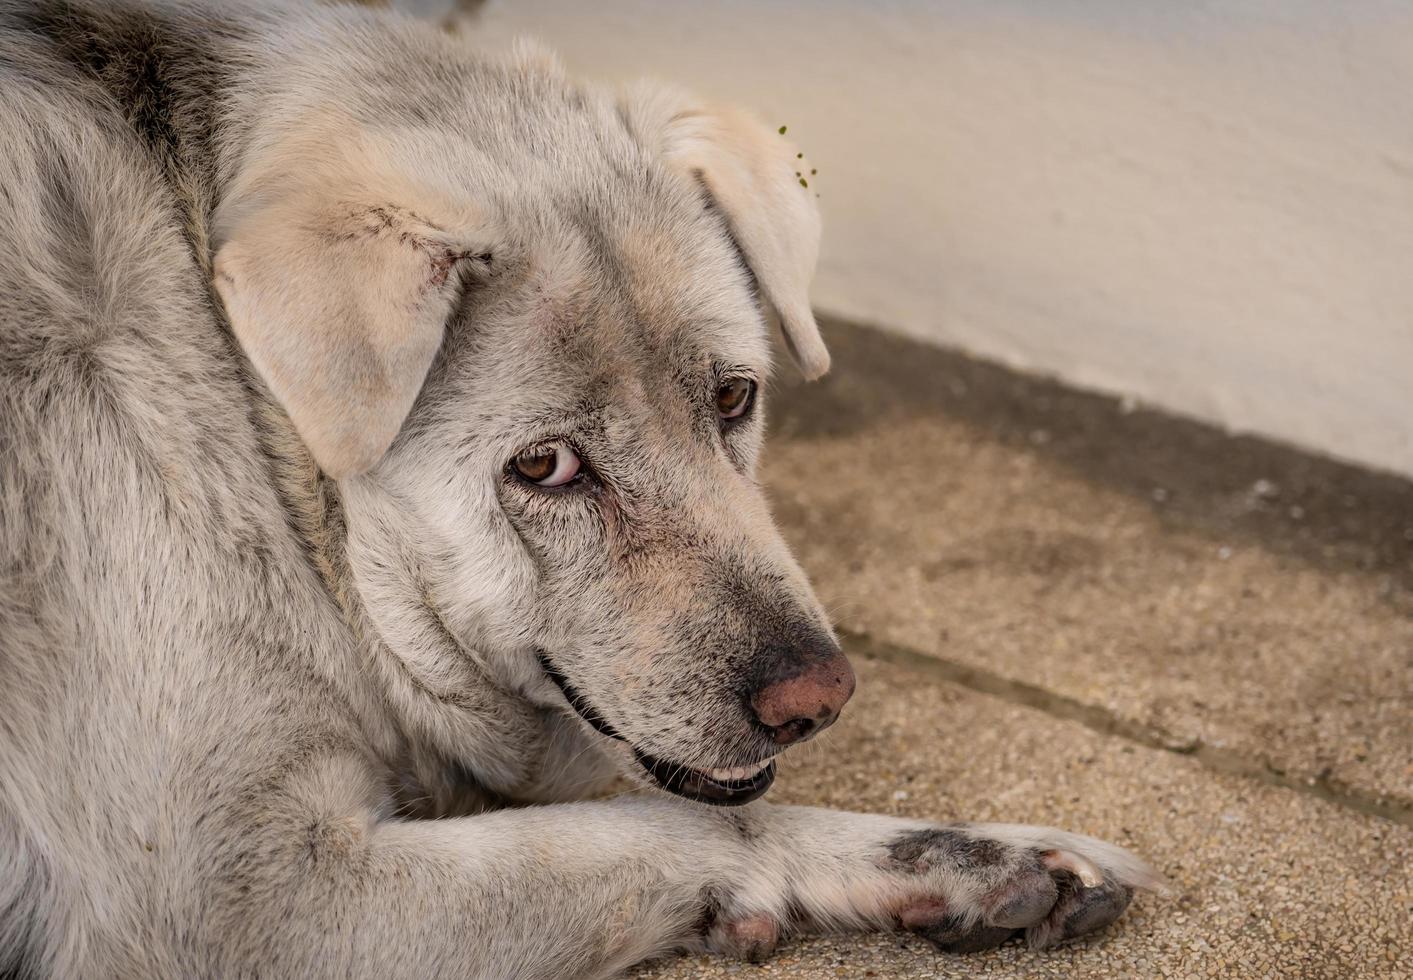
804, 183
782, 130
799, 156
813, 172
798, 174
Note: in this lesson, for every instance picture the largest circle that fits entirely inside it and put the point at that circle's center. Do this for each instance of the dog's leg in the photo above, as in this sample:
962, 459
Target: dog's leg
586, 889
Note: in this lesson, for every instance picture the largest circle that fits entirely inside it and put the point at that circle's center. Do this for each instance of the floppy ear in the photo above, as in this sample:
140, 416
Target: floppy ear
341, 307
750, 173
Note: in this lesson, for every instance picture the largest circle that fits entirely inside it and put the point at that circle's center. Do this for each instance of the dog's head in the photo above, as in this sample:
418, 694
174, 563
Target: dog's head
527, 338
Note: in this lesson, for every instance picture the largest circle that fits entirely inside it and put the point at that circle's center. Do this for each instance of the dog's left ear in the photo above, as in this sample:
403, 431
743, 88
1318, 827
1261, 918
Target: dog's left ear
749, 171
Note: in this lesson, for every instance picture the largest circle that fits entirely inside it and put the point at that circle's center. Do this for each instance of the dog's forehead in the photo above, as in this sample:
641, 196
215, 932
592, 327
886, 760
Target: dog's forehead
685, 286
624, 267
635, 283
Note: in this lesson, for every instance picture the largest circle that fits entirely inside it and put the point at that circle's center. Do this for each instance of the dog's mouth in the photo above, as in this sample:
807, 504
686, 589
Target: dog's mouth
719, 787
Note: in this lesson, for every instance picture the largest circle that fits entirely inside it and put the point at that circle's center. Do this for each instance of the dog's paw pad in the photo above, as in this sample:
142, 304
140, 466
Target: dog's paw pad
1079, 909
1023, 901
978, 940
930, 919
750, 937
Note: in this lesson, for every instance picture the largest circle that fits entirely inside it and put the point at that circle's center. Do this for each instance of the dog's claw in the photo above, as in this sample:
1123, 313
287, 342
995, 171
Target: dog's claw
1079, 865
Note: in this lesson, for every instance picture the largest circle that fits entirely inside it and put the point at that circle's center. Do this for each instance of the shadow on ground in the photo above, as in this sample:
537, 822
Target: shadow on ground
1190, 474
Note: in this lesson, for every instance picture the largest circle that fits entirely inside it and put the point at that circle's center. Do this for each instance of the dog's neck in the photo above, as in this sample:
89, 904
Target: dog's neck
457, 740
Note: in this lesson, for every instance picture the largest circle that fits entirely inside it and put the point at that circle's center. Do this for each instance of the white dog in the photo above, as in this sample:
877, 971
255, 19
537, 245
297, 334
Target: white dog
377, 435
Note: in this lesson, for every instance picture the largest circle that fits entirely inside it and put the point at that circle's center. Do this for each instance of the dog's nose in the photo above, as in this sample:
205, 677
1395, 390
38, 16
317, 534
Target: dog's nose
805, 702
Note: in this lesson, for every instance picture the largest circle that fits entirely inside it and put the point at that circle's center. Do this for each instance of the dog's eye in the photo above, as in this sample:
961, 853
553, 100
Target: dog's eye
734, 398
547, 466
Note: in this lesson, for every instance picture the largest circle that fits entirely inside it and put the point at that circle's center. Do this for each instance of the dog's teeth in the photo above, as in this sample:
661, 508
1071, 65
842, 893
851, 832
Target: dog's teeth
738, 773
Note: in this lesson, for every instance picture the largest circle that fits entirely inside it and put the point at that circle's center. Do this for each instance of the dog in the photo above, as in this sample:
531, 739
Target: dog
378, 430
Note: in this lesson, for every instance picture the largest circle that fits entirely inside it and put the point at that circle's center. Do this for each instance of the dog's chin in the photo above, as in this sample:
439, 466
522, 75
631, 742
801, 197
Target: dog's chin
719, 787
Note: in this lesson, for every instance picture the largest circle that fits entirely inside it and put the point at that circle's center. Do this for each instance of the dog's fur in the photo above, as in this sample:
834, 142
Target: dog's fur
281, 294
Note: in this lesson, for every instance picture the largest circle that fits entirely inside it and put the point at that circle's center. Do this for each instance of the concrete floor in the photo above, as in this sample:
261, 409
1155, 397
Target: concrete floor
1071, 611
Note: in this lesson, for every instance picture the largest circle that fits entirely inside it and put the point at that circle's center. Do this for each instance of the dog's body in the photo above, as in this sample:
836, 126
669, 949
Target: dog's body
237, 243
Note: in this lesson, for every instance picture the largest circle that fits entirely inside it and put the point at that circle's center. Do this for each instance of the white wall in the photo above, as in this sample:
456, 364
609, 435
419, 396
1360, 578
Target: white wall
1205, 204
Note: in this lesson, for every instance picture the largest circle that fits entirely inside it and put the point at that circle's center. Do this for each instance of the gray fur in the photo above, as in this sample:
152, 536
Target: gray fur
230, 681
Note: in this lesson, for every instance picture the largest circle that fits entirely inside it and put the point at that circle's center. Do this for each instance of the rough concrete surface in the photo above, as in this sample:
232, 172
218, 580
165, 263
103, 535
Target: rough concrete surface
1071, 611
1220, 591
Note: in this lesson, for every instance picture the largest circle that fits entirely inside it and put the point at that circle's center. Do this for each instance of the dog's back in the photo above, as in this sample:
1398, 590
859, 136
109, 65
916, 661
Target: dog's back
132, 533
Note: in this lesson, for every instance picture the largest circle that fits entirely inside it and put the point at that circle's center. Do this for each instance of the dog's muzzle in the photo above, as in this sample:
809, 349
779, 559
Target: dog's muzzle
719, 787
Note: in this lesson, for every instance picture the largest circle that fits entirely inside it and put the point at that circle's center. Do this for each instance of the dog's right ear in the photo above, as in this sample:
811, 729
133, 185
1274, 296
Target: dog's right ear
340, 303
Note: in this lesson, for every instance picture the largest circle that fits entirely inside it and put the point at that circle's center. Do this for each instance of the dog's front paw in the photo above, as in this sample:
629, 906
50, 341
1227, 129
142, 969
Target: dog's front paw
983, 884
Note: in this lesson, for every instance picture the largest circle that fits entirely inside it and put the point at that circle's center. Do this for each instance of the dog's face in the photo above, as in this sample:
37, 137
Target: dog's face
548, 373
